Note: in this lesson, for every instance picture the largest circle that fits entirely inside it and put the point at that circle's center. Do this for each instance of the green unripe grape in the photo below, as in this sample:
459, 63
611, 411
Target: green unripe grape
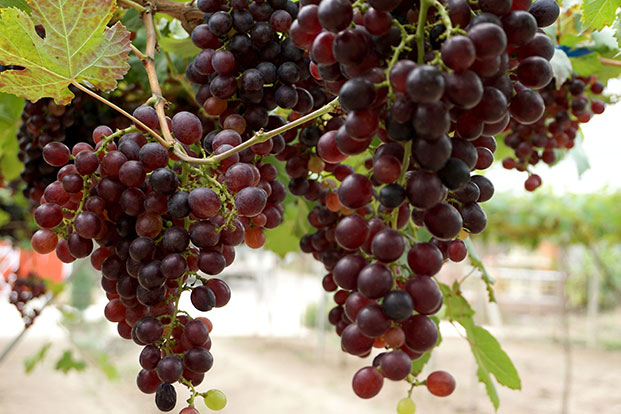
406, 406
215, 400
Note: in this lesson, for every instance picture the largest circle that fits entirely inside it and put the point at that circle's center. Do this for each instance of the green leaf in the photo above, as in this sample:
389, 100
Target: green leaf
20, 4
282, 239
491, 360
617, 31
494, 359
419, 364
599, 13
181, 47
66, 363
578, 155
31, 362
561, 67
586, 65
605, 40
478, 263
78, 47
10, 109
108, 368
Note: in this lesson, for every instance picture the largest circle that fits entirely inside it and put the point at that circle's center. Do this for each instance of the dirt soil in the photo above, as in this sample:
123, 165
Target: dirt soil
293, 377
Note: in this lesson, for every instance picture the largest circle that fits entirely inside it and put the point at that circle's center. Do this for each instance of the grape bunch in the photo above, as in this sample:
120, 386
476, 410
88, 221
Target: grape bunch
160, 227
23, 292
422, 88
566, 108
249, 66
44, 122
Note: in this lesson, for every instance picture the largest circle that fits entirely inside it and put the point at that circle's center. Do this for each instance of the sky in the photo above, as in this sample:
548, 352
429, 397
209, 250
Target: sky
602, 146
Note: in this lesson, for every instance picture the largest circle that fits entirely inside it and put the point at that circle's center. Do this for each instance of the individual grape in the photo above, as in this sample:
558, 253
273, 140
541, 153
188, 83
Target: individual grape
165, 397
440, 383
489, 40
215, 400
352, 231
425, 84
458, 53
397, 305
354, 341
221, 290
153, 156
148, 381
56, 154
406, 406
169, 369
187, 127
443, 221
425, 293
374, 280
44, 241
395, 365
425, 259
520, 27
534, 72
149, 330
335, 15
372, 321
387, 245
357, 93
250, 201
178, 205
204, 203
421, 333
48, 215
355, 191
526, 107
203, 298
367, 382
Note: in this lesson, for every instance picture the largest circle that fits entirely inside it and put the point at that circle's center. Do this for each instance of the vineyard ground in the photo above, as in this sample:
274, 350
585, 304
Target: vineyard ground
279, 376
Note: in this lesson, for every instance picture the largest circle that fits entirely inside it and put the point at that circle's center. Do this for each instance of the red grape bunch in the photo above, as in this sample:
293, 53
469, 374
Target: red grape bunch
566, 108
157, 223
423, 87
24, 291
44, 122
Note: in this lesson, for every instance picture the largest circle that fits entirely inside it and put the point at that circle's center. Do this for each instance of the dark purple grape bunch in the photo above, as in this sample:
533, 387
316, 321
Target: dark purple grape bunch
553, 134
44, 122
249, 66
426, 117
160, 228
23, 294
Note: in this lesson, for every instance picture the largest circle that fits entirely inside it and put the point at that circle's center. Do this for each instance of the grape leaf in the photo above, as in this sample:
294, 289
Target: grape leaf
561, 67
181, 47
10, 108
599, 13
587, 64
20, 4
578, 155
617, 31
31, 362
78, 47
66, 363
490, 358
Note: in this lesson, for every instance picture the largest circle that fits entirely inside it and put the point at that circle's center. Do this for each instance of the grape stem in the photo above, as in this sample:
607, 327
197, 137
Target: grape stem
149, 64
121, 111
609, 62
187, 13
420, 29
262, 136
131, 4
